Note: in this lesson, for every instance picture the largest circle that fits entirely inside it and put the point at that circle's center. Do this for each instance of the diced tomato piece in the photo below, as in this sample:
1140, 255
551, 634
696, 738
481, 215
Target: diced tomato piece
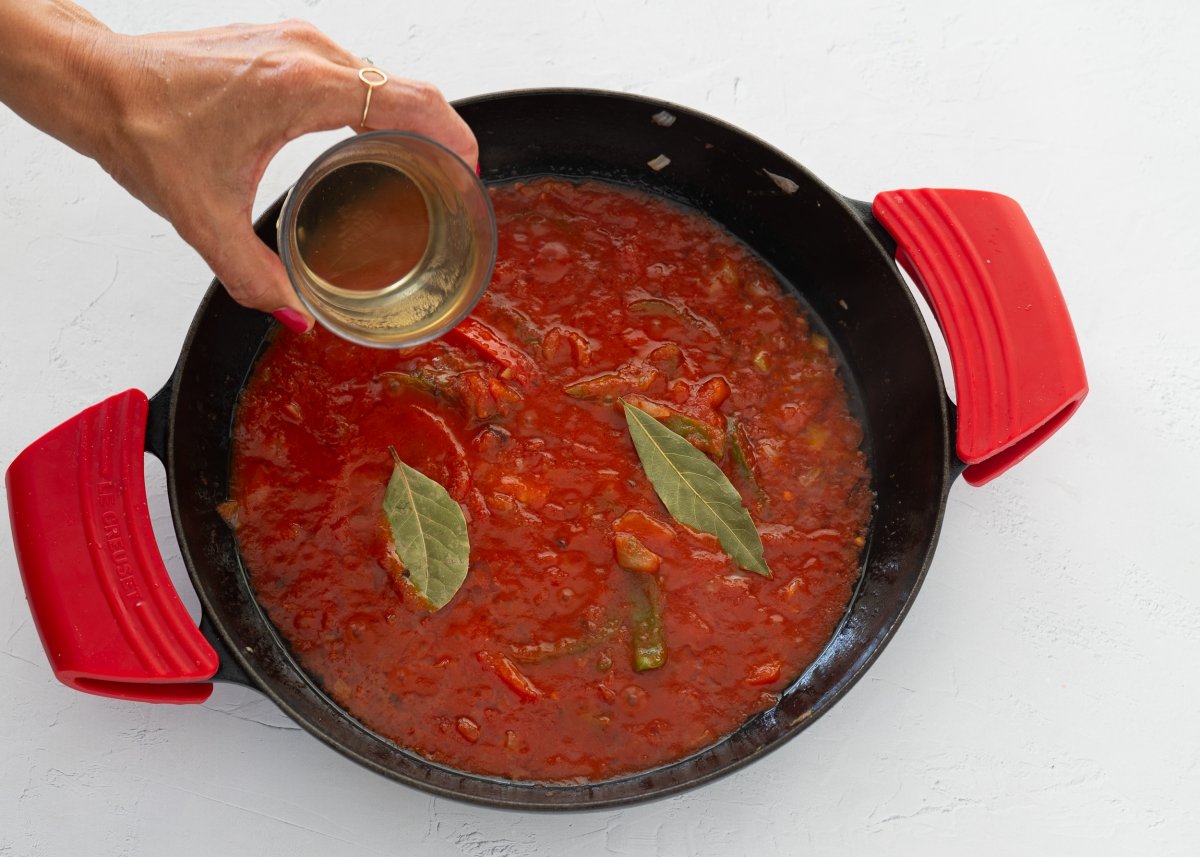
767, 673
468, 728
713, 392
635, 556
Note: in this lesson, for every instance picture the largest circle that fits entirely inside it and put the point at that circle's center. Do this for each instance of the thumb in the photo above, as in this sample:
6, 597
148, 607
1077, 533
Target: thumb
255, 278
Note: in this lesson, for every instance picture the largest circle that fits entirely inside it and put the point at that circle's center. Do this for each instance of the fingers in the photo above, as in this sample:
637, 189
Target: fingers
319, 80
298, 81
255, 278
398, 105
410, 105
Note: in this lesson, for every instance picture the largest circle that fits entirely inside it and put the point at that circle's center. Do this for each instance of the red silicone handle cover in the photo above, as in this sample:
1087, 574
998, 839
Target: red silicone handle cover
109, 617
1017, 367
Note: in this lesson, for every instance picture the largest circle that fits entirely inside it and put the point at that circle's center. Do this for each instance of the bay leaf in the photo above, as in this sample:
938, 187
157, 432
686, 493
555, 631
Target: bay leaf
430, 533
695, 491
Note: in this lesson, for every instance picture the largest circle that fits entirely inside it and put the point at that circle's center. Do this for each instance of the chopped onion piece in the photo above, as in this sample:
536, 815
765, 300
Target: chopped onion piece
659, 163
784, 184
663, 118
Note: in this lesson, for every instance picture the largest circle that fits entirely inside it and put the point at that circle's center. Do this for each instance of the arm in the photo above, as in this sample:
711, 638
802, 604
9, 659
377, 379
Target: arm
187, 122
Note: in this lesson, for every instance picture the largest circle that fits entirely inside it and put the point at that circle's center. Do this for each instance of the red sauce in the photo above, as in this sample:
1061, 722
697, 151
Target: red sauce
528, 672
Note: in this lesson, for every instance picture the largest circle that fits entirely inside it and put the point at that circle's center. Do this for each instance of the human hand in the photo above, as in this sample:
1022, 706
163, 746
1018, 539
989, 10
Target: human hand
202, 114
187, 122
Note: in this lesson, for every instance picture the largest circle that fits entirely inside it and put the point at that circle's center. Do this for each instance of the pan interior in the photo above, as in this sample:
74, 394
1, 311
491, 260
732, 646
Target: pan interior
816, 242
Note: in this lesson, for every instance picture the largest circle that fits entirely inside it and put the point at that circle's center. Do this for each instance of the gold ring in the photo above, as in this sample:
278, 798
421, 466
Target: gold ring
372, 77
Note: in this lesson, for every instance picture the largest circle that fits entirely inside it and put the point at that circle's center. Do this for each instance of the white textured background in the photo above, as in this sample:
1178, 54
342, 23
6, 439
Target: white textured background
1042, 695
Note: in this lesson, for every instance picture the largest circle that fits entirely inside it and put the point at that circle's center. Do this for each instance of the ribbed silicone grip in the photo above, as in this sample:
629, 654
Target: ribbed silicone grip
109, 618
1017, 368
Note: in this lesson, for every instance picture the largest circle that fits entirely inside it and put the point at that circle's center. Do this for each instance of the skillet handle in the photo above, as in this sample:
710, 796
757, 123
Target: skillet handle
1017, 365
109, 618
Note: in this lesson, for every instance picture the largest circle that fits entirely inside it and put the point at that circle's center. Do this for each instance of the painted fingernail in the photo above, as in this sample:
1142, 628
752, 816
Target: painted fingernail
478, 172
292, 320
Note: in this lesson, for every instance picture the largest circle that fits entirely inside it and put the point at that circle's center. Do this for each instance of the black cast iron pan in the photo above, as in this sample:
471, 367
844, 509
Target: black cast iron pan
112, 624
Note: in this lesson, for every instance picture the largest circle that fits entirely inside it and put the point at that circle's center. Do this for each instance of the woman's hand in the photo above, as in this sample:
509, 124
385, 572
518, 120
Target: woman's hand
187, 122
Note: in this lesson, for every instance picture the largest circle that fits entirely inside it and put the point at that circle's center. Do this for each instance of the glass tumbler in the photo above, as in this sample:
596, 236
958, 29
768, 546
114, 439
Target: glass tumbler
389, 239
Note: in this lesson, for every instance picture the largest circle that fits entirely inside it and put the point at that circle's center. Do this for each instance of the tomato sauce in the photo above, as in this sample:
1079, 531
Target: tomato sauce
600, 294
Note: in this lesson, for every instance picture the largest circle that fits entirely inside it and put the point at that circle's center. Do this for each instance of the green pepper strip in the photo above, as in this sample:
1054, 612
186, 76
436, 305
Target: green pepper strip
418, 383
649, 646
743, 456
666, 309
536, 653
610, 386
603, 387
698, 433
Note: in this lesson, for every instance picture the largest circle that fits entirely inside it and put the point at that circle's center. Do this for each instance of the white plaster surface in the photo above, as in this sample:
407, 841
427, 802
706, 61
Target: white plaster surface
1041, 697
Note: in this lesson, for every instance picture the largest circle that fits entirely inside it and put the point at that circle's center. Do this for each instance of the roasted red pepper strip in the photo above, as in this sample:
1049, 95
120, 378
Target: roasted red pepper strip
459, 472
510, 675
487, 342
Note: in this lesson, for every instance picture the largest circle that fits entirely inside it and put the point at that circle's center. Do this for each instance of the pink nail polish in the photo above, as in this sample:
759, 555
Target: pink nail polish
292, 320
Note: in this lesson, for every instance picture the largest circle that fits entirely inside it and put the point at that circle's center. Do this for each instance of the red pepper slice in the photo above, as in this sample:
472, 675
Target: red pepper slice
487, 342
510, 675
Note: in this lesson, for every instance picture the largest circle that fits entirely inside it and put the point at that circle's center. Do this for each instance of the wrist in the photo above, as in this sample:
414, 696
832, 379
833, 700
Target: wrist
107, 66
59, 69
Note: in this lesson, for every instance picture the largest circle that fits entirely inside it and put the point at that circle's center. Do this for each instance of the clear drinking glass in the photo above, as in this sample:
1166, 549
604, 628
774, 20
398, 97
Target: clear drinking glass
389, 239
